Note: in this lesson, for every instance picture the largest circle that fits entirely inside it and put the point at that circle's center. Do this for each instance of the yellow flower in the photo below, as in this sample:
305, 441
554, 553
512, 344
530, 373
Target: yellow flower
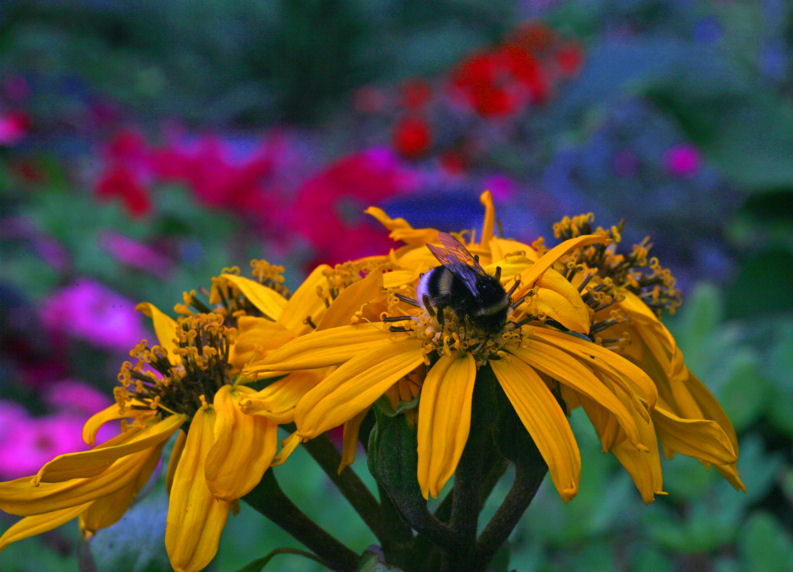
535, 363
629, 292
184, 383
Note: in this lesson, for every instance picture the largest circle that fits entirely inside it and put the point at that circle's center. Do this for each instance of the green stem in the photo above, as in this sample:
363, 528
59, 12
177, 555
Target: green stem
268, 499
327, 456
527, 480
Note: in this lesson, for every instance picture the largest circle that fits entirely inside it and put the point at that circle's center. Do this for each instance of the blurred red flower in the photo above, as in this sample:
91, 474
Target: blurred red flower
412, 137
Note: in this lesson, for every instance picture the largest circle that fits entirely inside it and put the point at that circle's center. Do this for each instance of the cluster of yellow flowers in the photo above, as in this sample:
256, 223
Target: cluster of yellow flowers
581, 328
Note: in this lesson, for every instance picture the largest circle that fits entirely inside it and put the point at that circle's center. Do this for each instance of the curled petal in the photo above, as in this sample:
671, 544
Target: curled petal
244, 446
350, 300
92, 462
277, 401
112, 413
700, 438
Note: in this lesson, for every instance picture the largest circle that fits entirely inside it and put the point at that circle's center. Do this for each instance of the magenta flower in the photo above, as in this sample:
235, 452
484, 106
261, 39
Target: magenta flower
91, 311
27, 443
683, 160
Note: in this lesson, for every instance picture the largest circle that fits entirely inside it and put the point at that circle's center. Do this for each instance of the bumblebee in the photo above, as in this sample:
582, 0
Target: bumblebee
460, 283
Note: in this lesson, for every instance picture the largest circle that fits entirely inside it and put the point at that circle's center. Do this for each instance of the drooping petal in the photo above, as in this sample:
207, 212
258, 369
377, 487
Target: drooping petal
569, 371
444, 420
195, 517
323, 348
164, 327
94, 461
267, 301
40, 523
349, 442
544, 419
601, 358
108, 510
244, 446
644, 466
355, 385
20, 497
700, 438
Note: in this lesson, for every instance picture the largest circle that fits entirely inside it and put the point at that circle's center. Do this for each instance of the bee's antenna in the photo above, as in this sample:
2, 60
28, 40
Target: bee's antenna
498, 273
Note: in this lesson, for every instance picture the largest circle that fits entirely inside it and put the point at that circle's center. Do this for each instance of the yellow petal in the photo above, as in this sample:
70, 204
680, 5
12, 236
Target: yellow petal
355, 385
305, 302
560, 300
287, 448
644, 466
401, 229
500, 248
350, 300
277, 401
549, 258
109, 509
244, 446
256, 337
601, 358
323, 348
569, 371
173, 462
489, 223
33, 525
544, 419
164, 327
20, 497
195, 517
444, 420
349, 443
94, 461
267, 301
700, 438
112, 413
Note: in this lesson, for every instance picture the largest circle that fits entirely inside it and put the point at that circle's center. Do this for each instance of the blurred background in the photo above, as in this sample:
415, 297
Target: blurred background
146, 145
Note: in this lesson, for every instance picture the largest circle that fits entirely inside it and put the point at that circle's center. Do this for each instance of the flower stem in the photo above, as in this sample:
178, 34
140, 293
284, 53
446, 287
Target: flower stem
268, 499
357, 494
528, 478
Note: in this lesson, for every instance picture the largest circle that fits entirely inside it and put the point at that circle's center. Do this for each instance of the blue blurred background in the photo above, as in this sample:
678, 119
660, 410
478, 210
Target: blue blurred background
146, 145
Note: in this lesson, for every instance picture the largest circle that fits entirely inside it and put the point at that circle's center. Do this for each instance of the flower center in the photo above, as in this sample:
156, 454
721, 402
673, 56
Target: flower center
180, 382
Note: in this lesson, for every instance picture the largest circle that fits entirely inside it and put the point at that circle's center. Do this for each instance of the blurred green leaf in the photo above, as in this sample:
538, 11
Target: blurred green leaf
765, 545
136, 543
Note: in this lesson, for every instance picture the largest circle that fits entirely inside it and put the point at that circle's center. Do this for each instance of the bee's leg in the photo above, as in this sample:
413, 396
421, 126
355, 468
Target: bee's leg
520, 300
407, 300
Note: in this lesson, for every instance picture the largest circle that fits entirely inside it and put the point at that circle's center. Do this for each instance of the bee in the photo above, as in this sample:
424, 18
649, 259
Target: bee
460, 283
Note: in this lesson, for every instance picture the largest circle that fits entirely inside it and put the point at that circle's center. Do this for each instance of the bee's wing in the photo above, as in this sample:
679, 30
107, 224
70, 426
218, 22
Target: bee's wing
455, 256
453, 251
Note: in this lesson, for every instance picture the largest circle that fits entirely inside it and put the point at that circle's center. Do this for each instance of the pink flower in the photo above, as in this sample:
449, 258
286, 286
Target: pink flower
91, 311
68, 395
683, 160
27, 443
135, 254
13, 127
328, 209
